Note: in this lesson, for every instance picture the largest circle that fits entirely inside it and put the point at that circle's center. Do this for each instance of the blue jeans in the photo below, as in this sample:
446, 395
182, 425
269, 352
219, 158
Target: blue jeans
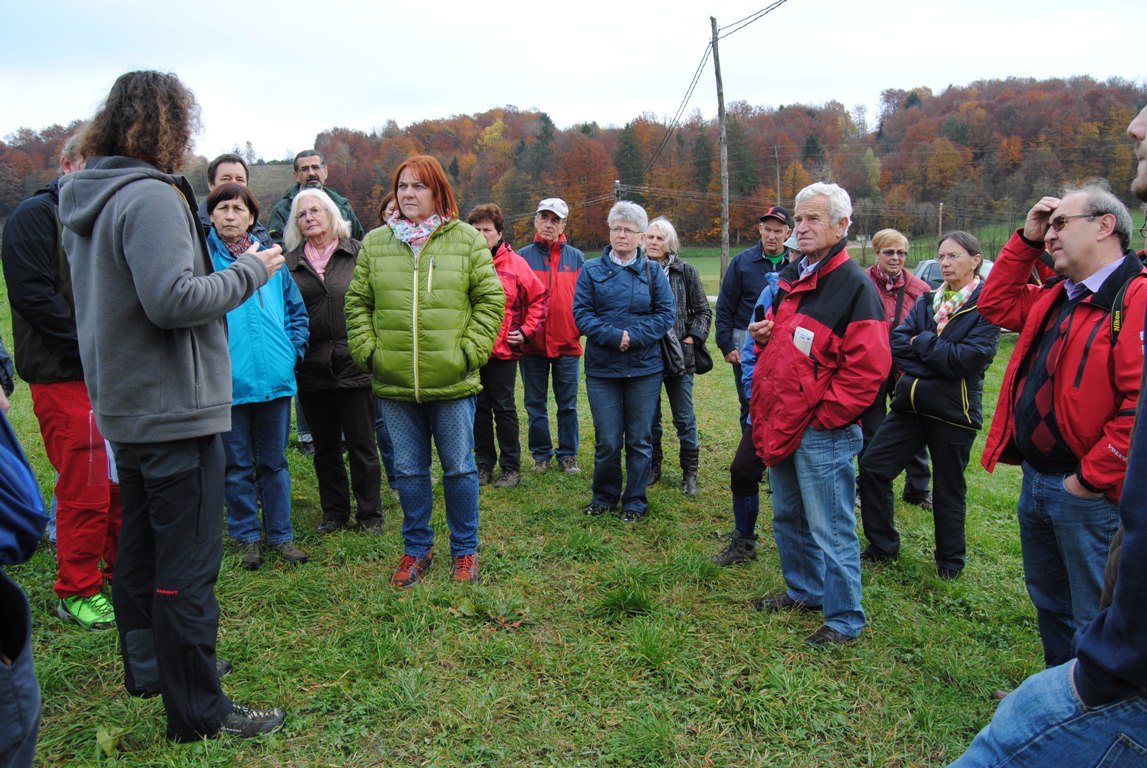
451, 424
814, 524
1065, 540
622, 410
257, 469
19, 691
385, 447
565, 371
1043, 723
680, 392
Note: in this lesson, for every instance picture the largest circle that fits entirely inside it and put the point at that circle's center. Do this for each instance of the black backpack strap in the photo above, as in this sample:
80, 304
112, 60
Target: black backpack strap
1117, 307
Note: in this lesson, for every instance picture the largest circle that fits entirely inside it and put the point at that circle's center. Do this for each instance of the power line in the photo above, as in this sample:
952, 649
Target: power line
737, 26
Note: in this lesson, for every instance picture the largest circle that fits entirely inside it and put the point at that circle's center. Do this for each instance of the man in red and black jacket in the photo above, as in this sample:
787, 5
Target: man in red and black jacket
823, 352
1068, 399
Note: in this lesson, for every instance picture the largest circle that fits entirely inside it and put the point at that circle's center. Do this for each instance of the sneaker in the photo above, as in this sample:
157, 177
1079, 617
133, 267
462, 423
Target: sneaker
252, 554
484, 475
410, 570
569, 465
740, 549
593, 509
93, 612
508, 480
246, 722
291, 553
632, 516
541, 465
465, 568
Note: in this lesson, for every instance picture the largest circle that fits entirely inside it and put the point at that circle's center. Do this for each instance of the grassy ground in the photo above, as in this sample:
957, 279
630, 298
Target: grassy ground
587, 642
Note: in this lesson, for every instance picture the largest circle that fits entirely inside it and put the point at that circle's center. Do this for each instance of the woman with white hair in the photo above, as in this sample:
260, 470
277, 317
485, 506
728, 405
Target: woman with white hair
624, 306
334, 392
693, 319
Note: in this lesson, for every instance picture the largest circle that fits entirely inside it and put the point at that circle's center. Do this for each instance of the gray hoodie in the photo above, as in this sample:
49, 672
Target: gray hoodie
150, 309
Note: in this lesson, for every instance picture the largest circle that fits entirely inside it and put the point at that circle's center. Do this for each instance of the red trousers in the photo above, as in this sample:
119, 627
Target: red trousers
87, 502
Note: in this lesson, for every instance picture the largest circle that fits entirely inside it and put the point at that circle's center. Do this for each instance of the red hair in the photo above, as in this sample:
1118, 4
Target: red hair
429, 172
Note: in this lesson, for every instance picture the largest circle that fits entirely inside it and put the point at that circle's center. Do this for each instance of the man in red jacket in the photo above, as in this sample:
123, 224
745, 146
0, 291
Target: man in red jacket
1069, 396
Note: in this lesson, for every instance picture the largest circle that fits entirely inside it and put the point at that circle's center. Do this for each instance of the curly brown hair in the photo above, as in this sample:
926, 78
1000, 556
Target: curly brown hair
147, 115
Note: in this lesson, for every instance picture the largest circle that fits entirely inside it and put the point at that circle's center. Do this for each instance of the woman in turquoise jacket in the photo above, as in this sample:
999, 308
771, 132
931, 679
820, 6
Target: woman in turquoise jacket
423, 311
267, 336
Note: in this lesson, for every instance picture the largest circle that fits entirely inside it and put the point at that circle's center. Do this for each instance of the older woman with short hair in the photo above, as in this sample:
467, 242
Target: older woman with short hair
624, 306
334, 392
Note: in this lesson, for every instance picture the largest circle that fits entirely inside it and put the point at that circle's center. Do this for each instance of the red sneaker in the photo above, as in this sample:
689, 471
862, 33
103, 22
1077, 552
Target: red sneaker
410, 570
465, 568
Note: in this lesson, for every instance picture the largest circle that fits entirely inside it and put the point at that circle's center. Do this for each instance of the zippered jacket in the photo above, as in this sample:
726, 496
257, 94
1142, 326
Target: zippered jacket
277, 224
424, 325
1096, 384
944, 371
826, 358
694, 316
526, 302
557, 266
744, 280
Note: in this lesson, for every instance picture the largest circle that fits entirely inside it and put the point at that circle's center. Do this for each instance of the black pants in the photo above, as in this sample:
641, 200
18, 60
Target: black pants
916, 475
747, 469
496, 406
335, 415
899, 438
170, 548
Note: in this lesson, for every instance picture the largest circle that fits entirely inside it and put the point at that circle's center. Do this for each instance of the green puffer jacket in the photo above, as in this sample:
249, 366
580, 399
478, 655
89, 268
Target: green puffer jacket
424, 327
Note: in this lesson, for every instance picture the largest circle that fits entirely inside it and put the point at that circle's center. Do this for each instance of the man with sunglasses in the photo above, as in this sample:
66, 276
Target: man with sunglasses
1068, 400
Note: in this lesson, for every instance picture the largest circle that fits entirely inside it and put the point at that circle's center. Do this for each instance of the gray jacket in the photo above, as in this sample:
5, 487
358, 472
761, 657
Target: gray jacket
149, 306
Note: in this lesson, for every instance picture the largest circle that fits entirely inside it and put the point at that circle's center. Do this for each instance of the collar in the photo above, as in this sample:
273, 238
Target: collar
1092, 282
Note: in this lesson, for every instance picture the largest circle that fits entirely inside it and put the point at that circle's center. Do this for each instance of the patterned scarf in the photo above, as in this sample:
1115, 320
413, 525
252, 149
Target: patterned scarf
944, 308
240, 246
415, 235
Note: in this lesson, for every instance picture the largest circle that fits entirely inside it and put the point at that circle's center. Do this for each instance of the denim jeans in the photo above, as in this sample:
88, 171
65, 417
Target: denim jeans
565, 371
1065, 540
814, 524
622, 411
19, 691
257, 470
738, 376
680, 392
385, 447
1044, 723
497, 410
451, 425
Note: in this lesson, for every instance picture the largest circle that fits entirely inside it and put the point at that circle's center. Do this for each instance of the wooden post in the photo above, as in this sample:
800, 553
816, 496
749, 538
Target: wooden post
724, 143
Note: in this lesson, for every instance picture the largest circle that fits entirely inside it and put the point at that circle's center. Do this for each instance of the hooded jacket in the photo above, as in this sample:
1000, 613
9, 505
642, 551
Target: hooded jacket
557, 266
526, 303
149, 304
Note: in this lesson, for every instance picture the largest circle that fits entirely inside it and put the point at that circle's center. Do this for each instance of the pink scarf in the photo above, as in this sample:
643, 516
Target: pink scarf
320, 258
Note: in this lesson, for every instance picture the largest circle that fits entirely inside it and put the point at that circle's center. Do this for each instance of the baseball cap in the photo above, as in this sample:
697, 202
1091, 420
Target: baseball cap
778, 213
556, 205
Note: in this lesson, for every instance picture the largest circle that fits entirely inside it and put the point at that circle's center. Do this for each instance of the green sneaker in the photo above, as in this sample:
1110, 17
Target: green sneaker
94, 612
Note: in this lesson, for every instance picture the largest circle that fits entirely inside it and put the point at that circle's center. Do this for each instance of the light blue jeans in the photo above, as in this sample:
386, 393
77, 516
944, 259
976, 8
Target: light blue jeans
257, 472
565, 371
450, 423
622, 411
814, 524
1043, 723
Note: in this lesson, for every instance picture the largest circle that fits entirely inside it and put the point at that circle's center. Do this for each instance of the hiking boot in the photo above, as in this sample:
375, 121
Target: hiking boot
632, 516
783, 602
246, 722
291, 553
690, 459
465, 568
329, 526
93, 612
372, 526
740, 549
410, 570
569, 465
508, 480
484, 475
541, 465
594, 509
252, 553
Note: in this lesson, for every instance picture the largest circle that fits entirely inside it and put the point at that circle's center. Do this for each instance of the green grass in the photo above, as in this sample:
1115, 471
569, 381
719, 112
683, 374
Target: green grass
587, 642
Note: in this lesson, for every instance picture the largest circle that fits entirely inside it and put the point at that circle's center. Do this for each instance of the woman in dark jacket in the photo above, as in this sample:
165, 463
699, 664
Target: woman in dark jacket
334, 393
623, 306
692, 323
943, 348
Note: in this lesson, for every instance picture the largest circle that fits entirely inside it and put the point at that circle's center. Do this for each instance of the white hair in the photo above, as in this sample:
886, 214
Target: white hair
839, 203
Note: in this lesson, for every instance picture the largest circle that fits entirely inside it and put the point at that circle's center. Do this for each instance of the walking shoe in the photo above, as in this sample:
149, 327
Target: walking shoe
246, 722
541, 465
594, 509
410, 570
291, 553
783, 602
329, 526
569, 465
93, 612
740, 549
484, 475
826, 636
871, 554
924, 502
465, 568
252, 554
508, 480
372, 526
632, 515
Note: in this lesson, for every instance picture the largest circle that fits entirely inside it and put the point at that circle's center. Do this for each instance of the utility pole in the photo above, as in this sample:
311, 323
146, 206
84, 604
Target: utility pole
616, 190
724, 142
940, 224
777, 162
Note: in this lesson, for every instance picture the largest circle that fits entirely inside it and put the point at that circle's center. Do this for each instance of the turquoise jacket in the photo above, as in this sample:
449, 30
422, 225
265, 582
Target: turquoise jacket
424, 325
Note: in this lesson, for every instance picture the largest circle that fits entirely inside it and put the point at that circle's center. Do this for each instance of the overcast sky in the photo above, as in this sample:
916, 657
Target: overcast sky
277, 72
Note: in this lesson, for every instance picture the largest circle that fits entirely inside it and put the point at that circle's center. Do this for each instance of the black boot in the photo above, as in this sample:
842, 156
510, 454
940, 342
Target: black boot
655, 466
740, 549
689, 459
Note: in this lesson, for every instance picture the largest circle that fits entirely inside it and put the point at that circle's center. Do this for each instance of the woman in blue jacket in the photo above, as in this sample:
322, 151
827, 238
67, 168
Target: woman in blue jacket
943, 347
624, 306
267, 336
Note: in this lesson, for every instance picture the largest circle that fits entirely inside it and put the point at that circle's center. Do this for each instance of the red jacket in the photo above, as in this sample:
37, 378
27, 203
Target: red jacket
913, 287
525, 300
1097, 386
848, 356
558, 267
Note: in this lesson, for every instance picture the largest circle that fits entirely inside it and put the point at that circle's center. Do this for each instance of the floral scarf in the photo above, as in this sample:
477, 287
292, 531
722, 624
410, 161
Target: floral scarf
943, 309
415, 235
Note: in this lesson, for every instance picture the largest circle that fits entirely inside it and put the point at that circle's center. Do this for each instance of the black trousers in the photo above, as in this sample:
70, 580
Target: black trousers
917, 477
170, 549
899, 438
496, 406
335, 415
747, 469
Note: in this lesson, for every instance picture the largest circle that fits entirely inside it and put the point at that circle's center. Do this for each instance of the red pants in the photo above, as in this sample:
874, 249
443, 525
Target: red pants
87, 502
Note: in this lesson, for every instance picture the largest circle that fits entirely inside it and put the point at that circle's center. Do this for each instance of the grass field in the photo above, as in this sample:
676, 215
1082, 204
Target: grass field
587, 642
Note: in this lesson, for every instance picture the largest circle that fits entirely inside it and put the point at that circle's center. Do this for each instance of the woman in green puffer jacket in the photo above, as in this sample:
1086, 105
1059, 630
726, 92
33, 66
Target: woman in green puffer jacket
423, 311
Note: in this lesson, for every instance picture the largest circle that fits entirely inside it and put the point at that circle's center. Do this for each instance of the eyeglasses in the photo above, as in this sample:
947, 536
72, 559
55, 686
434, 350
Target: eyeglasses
942, 257
1143, 231
890, 252
623, 231
1059, 222
314, 213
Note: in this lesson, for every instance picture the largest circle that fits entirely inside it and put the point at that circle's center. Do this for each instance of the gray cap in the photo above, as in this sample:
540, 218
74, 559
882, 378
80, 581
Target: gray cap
556, 205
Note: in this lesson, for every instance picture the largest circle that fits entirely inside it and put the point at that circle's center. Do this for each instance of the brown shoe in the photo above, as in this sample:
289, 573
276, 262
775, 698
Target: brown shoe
826, 636
508, 480
291, 553
252, 552
782, 601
